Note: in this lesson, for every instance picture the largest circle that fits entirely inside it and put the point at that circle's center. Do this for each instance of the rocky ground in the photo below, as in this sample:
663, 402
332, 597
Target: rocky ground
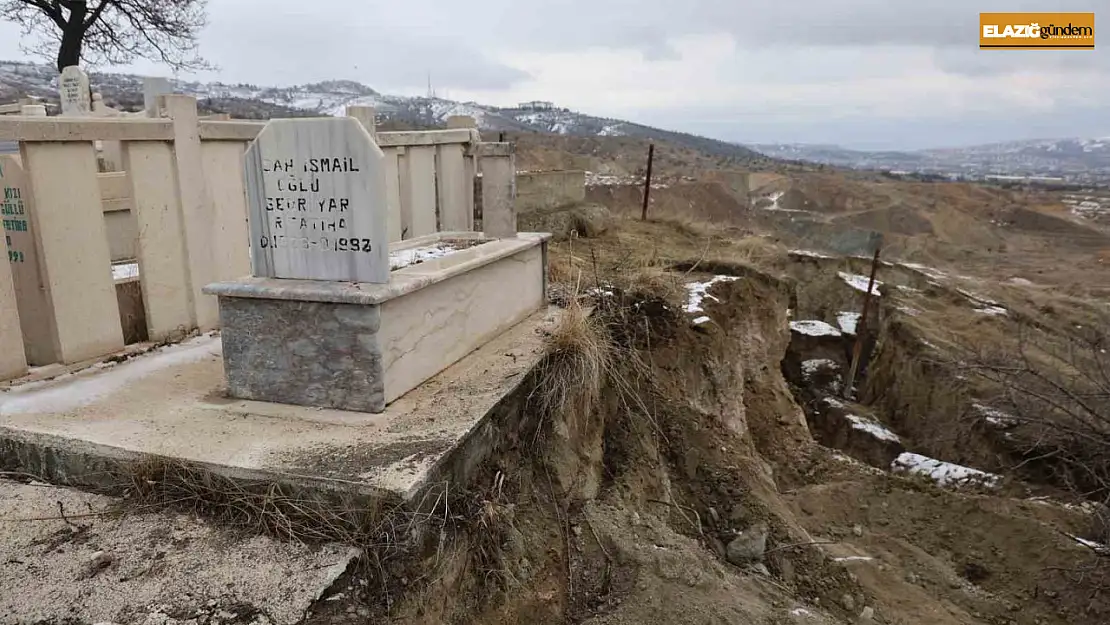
72, 557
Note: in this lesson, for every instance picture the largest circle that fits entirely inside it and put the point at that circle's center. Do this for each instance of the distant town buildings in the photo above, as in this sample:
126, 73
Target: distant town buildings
536, 105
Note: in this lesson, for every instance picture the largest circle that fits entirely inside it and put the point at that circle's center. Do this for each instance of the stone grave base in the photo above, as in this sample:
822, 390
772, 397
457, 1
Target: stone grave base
360, 346
86, 427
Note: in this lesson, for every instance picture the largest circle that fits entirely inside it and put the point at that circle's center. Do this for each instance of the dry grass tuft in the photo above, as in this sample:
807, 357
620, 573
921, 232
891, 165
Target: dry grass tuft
579, 358
270, 508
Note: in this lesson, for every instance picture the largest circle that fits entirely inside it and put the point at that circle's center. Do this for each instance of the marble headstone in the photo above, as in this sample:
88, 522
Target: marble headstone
73, 91
317, 203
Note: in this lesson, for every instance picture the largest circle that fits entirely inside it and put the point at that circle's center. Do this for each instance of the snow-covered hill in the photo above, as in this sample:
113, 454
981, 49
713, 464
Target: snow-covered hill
1072, 160
333, 96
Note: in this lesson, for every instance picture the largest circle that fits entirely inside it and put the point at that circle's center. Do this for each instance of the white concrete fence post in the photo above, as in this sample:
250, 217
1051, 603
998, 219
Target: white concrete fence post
75, 261
163, 263
498, 165
365, 115
197, 211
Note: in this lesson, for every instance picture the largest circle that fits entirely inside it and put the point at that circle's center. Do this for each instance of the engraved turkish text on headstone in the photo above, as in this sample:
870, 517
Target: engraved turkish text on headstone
316, 190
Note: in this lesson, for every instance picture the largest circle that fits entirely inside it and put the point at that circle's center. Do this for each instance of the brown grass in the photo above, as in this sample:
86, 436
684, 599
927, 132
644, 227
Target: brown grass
579, 360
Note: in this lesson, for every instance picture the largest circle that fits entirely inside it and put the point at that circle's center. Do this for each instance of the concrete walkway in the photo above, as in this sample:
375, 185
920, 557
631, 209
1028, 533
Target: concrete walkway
170, 402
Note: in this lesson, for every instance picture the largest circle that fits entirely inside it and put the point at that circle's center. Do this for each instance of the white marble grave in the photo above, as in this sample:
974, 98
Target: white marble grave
73, 91
317, 202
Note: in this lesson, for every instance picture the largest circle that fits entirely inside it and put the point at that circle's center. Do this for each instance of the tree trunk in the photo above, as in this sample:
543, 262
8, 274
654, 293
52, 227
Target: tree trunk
73, 35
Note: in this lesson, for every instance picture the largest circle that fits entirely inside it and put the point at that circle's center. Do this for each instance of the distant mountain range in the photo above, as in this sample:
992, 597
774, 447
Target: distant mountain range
1074, 161
1080, 161
332, 97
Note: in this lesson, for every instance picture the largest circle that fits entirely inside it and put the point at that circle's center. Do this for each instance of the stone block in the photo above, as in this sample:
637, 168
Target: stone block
306, 353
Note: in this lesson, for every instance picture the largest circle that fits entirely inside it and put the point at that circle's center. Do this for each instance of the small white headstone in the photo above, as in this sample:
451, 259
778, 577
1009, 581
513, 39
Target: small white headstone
73, 88
316, 192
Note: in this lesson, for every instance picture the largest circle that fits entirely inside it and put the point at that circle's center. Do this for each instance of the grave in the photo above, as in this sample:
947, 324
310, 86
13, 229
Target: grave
334, 318
74, 93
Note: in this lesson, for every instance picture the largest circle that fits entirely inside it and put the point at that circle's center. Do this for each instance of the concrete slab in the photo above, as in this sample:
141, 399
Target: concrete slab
172, 402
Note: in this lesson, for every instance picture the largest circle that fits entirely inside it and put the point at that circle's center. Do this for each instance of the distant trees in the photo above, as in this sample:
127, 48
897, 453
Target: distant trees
113, 32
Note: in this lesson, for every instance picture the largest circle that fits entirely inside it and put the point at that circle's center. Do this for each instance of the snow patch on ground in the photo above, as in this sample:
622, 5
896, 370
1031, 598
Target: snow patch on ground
931, 272
125, 271
809, 367
774, 205
872, 428
71, 391
995, 416
847, 321
699, 292
404, 258
813, 327
809, 254
993, 311
909, 310
943, 473
859, 283
853, 559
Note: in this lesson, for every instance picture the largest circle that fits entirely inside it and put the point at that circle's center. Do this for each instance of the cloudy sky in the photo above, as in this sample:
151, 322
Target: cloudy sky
872, 74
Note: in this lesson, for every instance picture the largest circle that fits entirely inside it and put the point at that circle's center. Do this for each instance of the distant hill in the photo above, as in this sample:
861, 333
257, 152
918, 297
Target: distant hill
333, 96
1073, 160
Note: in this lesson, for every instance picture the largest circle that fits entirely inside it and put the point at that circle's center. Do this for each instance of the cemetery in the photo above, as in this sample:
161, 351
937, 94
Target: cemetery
302, 300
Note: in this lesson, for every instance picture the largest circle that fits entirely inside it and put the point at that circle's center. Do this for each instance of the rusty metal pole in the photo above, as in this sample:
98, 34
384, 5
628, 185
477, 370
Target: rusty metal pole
647, 182
857, 348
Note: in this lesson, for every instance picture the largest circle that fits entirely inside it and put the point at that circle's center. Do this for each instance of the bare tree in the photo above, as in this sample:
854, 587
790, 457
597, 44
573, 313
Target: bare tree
112, 32
1055, 393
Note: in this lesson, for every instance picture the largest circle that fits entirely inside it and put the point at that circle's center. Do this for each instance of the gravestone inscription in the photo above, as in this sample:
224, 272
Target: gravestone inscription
19, 246
73, 92
317, 205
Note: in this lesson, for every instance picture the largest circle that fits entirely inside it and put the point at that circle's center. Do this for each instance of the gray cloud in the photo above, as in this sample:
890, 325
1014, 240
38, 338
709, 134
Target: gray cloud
860, 72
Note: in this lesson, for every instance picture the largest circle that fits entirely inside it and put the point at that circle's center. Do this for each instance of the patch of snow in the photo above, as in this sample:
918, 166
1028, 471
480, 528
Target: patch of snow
834, 402
907, 289
994, 311
809, 254
1098, 548
853, 559
599, 292
774, 204
612, 130
931, 272
1020, 281
72, 391
813, 327
909, 310
802, 612
809, 367
872, 428
699, 291
859, 282
700, 320
404, 258
943, 473
976, 297
847, 321
995, 416
125, 271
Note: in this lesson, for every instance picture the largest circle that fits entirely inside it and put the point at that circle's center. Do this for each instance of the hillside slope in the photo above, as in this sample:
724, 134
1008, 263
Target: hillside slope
333, 96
